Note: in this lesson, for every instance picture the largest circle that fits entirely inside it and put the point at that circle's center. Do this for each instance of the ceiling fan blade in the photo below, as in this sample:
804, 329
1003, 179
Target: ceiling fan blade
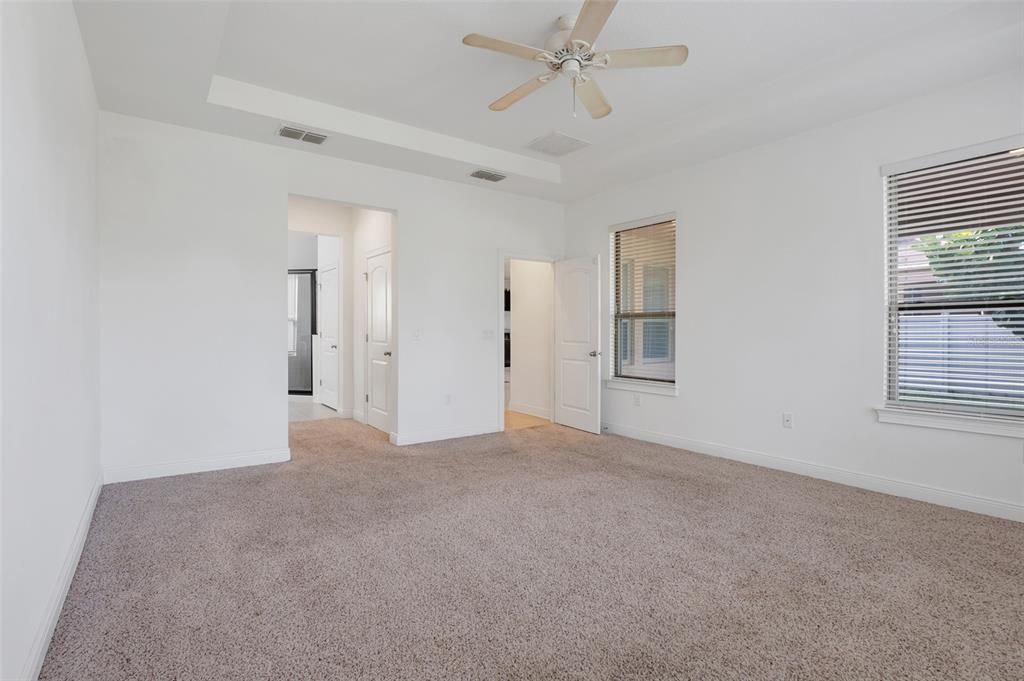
592, 97
591, 20
672, 55
503, 46
526, 88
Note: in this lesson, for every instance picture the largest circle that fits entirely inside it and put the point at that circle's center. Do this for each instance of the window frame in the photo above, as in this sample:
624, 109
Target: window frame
642, 385
923, 414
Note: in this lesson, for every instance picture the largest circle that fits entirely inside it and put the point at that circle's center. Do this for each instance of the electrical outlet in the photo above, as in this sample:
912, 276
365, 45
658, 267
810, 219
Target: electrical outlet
787, 420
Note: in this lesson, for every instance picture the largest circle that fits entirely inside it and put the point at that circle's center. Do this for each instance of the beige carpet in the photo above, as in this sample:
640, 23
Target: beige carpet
538, 554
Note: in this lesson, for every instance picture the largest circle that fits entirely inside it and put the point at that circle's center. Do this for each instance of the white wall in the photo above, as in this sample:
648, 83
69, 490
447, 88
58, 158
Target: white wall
781, 304
302, 251
172, 199
50, 339
533, 299
193, 239
317, 216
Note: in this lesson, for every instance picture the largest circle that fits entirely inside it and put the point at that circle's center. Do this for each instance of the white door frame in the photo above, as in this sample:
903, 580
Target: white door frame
503, 255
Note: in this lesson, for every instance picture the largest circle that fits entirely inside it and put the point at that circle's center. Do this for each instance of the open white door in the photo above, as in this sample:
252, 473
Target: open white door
578, 344
327, 327
378, 341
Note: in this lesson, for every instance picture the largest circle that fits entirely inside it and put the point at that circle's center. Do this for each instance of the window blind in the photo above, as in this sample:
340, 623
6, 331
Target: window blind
956, 286
644, 309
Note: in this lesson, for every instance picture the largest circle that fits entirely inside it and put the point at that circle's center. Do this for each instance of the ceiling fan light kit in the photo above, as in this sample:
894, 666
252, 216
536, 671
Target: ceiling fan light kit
570, 52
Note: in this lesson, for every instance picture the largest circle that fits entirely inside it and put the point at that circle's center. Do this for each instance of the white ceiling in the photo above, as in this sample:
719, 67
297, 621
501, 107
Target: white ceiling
757, 71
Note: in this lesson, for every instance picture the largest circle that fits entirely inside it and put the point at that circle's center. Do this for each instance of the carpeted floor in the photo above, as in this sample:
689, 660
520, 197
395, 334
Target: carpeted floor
537, 554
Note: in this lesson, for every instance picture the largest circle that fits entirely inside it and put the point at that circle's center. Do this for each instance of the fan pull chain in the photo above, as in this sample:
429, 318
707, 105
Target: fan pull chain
574, 98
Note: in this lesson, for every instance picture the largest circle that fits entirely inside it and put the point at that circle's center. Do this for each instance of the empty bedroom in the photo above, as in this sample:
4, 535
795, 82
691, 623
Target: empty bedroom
511, 339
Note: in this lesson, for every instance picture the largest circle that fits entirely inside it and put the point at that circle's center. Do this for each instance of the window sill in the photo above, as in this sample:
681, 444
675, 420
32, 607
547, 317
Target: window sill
987, 425
638, 386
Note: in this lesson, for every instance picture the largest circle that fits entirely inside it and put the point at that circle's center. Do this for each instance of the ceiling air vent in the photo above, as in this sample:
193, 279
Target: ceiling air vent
299, 134
488, 175
557, 144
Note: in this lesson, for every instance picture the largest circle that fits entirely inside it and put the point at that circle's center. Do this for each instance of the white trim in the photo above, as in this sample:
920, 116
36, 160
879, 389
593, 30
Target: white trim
41, 642
953, 155
345, 413
539, 412
875, 483
641, 386
945, 421
359, 415
214, 463
642, 222
416, 437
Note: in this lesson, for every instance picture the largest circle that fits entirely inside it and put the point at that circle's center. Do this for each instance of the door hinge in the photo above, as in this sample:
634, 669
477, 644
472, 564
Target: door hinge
367, 398
367, 338
366, 276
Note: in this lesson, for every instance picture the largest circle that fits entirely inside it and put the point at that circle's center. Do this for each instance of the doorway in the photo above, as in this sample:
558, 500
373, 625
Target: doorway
528, 343
551, 354
301, 328
351, 250
313, 312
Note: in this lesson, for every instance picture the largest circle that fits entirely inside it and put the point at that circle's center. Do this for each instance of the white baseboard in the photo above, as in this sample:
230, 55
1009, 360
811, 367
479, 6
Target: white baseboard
875, 483
416, 437
214, 463
359, 415
345, 413
539, 412
41, 642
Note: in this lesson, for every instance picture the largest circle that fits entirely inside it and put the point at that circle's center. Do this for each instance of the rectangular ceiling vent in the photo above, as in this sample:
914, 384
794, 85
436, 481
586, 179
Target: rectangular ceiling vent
488, 175
303, 135
557, 144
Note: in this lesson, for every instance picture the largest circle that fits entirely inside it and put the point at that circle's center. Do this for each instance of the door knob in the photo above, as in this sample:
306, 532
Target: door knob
594, 353
387, 354
334, 347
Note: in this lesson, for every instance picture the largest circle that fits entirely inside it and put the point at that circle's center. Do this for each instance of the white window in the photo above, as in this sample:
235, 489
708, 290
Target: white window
644, 314
956, 287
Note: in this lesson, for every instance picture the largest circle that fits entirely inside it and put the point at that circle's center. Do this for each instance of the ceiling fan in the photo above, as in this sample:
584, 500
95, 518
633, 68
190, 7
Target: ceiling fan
570, 52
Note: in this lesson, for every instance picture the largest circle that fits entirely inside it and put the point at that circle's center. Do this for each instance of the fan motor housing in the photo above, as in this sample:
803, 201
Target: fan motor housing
560, 39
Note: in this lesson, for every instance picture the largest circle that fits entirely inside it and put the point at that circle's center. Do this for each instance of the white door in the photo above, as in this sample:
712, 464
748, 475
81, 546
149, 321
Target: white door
578, 344
327, 327
379, 342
